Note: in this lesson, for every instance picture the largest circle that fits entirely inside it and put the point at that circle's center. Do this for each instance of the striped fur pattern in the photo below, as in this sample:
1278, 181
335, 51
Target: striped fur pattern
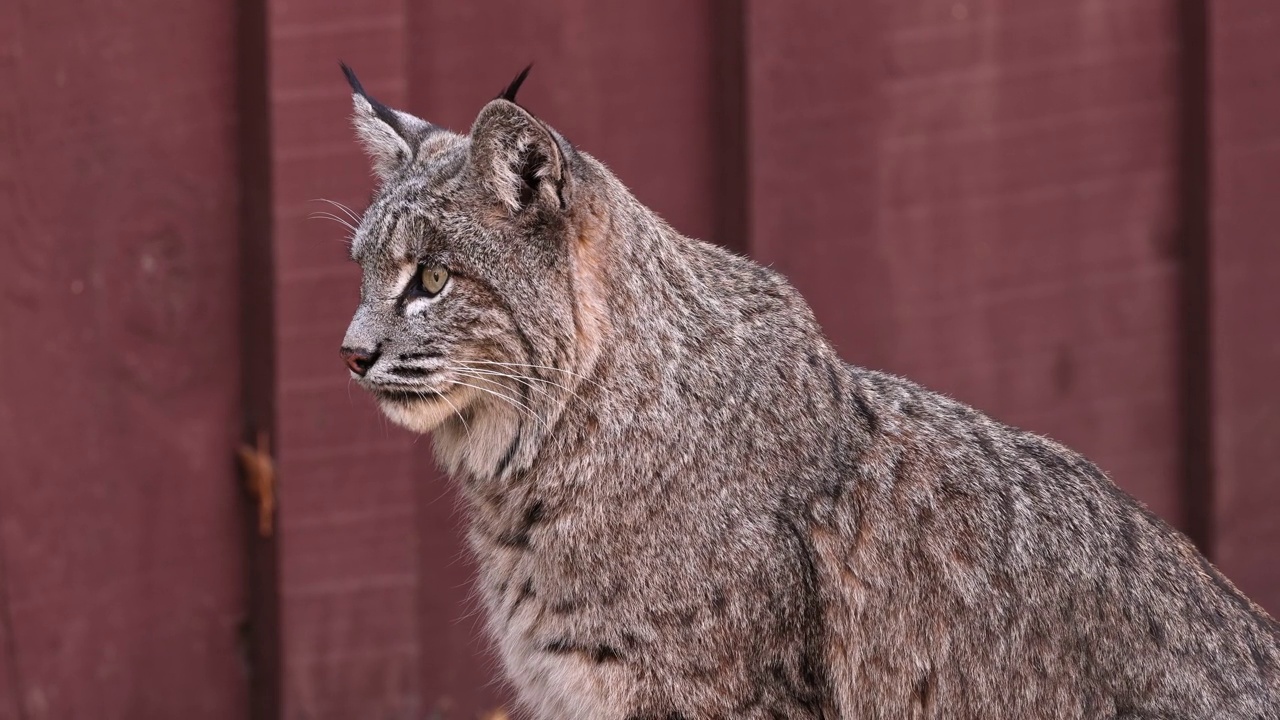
685, 505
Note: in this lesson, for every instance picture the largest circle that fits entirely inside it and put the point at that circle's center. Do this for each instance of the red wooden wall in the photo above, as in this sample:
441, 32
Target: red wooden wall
121, 540
1058, 212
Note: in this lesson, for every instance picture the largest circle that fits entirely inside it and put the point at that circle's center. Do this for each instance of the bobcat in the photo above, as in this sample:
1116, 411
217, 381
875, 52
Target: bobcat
685, 505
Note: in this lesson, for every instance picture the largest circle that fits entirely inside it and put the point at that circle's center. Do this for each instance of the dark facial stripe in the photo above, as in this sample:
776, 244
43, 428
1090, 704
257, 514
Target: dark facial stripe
509, 455
525, 343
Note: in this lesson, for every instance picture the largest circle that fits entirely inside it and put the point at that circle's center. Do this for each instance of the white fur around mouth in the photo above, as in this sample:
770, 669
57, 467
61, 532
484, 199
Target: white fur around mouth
421, 410
403, 394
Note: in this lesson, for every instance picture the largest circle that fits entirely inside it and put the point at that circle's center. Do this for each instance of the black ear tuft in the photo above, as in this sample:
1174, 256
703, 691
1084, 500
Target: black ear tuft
384, 113
510, 93
352, 80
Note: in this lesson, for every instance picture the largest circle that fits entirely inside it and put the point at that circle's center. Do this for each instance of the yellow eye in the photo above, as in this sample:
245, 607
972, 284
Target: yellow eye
434, 279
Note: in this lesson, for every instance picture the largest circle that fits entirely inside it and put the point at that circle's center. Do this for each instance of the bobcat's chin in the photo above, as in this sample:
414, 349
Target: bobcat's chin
420, 414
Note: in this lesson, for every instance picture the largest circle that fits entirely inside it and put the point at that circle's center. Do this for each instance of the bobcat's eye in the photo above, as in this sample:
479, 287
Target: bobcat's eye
433, 280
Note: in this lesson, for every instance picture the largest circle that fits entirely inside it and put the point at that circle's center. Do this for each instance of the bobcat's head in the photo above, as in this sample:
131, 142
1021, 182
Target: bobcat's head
477, 300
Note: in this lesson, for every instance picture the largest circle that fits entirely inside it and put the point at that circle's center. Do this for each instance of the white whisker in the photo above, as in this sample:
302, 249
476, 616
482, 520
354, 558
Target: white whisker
540, 367
505, 398
345, 210
527, 381
321, 215
457, 412
330, 216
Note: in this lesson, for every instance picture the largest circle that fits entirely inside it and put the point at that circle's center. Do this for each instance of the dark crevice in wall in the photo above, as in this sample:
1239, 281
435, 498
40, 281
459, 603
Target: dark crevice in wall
729, 125
1192, 229
259, 630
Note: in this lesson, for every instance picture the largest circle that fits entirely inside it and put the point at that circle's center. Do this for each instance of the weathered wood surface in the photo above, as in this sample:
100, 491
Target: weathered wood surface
348, 578
120, 527
1245, 299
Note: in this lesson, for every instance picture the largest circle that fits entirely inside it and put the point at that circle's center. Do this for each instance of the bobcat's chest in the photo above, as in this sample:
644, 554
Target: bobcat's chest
563, 655
609, 621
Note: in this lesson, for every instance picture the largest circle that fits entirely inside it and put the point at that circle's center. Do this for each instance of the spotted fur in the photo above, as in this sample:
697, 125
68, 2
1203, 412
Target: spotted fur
685, 505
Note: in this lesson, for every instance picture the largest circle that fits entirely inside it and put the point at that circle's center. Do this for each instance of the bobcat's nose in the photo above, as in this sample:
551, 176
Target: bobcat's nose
358, 359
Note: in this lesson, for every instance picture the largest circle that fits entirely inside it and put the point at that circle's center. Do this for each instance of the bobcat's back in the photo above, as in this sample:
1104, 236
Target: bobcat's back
998, 574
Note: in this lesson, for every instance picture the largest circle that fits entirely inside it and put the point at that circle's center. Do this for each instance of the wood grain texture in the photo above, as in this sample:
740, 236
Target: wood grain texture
119, 390
348, 582
1245, 293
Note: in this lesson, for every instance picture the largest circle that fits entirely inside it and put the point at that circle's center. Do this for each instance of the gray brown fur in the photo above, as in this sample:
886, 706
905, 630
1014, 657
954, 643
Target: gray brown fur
700, 511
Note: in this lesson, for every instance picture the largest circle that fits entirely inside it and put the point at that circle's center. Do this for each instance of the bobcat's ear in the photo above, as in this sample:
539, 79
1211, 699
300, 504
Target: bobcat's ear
390, 137
518, 158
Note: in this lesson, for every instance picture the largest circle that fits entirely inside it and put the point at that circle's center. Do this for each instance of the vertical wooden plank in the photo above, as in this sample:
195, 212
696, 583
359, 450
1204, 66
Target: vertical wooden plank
1245, 293
814, 112
979, 195
638, 85
119, 387
348, 567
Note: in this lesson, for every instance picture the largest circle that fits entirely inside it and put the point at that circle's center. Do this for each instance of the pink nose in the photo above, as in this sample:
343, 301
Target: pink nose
359, 360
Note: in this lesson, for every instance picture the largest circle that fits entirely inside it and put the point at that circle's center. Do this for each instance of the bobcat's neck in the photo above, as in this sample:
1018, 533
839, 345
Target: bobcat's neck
676, 339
